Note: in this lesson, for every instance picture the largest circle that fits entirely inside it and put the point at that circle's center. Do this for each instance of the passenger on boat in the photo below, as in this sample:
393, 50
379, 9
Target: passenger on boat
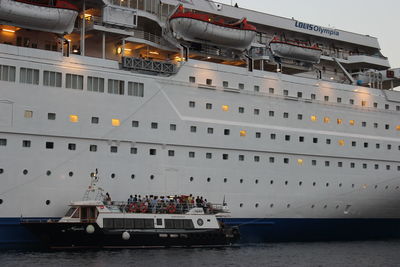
130, 199
107, 198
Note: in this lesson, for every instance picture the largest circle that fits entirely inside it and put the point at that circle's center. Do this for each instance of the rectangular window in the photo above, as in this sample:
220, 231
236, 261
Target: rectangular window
365, 166
376, 166
387, 126
226, 131
241, 86
152, 151
258, 135
95, 84
285, 92
271, 113
271, 90
327, 163
340, 164
135, 124
116, 87
225, 156
315, 140
353, 143
208, 155
286, 160
192, 79
375, 105
301, 139
172, 127
3, 142
71, 146
339, 100
364, 124
136, 89
256, 111
313, 97
257, 158
26, 143
300, 116
29, 76
171, 153
375, 125
387, 106
225, 84
328, 141
351, 101
273, 136
193, 129
114, 149
256, 88
388, 167
285, 115
49, 145
378, 146
52, 78
210, 130
314, 162
287, 137
133, 150
154, 125
191, 154
7, 73
208, 106
241, 157
209, 81
192, 104
241, 109
51, 116
389, 147
95, 120
28, 114
74, 81
326, 98
299, 94
92, 148
271, 159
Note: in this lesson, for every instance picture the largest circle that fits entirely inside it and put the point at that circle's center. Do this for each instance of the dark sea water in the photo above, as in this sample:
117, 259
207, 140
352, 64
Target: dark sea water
366, 253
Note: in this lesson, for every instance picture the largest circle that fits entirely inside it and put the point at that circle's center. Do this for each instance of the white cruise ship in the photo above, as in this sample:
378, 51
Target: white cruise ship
295, 125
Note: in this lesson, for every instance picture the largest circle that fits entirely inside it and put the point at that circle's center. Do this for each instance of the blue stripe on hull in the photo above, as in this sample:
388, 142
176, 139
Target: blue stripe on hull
14, 235
282, 230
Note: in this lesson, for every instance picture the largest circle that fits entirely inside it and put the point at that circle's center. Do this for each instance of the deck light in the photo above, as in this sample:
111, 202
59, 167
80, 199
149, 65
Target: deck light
8, 30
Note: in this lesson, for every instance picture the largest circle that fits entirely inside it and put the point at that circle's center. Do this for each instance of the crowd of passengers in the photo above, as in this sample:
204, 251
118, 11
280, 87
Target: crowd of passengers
164, 204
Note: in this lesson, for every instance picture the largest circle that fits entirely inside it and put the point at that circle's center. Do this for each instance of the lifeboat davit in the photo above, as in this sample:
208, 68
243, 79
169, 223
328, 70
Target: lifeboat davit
295, 50
202, 28
55, 16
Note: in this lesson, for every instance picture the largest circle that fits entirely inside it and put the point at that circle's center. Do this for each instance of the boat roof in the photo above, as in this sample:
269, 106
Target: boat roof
87, 203
289, 24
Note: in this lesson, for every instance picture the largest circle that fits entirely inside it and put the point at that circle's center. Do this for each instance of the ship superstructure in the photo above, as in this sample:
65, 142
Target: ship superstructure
296, 124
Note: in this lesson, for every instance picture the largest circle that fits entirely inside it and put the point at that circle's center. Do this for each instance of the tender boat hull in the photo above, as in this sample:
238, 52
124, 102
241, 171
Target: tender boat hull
36, 17
74, 235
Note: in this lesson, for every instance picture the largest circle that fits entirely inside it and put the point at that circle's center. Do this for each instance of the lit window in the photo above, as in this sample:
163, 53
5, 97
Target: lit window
327, 120
73, 118
300, 161
243, 133
115, 122
341, 142
313, 118
225, 108
352, 122
28, 114
398, 127
339, 121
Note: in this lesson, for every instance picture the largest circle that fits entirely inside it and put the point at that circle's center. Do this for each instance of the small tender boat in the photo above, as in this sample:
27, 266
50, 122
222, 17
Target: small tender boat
138, 223
55, 16
295, 50
202, 28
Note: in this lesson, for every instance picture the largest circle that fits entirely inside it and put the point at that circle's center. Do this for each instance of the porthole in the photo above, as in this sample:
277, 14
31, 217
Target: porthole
337, 207
208, 179
191, 179
1, 201
288, 206
376, 186
325, 206
25, 172
112, 175
387, 187
340, 185
314, 184
286, 182
257, 205
1, 171
312, 206
48, 202
300, 183
397, 187
152, 177
271, 206
225, 180
48, 173
256, 181
241, 181
71, 174
352, 185
327, 184
241, 205
271, 182
200, 222
132, 176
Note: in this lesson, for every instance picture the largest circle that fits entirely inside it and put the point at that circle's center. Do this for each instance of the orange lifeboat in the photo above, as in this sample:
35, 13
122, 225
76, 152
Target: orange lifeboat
202, 28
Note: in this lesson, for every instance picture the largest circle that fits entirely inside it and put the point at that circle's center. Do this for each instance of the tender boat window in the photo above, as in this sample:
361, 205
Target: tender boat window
70, 212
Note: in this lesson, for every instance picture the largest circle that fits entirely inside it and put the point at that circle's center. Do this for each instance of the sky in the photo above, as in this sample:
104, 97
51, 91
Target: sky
380, 19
